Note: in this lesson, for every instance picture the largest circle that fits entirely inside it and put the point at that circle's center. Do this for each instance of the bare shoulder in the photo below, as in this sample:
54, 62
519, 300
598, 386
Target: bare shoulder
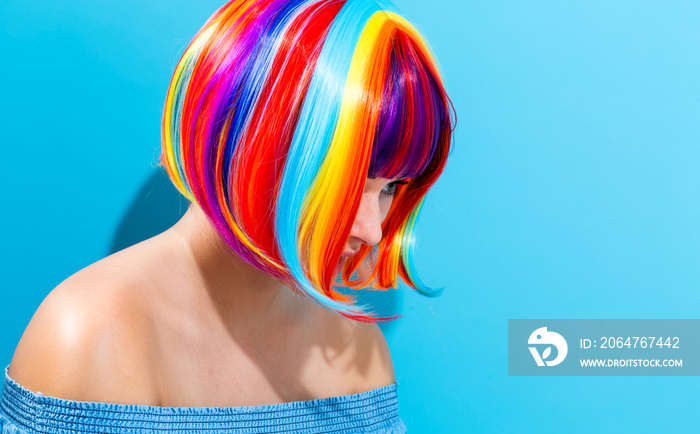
361, 352
373, 354
87, 340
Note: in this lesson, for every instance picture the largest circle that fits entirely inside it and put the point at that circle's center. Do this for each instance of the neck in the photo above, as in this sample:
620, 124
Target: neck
241, 294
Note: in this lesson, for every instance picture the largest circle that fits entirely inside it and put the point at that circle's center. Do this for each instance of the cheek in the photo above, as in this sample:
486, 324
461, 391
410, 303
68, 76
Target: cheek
384, 206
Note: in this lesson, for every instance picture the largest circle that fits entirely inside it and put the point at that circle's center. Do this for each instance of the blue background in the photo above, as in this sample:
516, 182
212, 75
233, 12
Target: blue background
572, 191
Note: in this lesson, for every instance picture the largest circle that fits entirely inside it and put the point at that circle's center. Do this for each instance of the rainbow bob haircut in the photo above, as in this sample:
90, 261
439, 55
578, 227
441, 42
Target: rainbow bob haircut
277, 113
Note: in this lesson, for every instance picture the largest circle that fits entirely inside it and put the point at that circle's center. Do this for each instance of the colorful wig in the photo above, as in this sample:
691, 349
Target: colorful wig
277, 113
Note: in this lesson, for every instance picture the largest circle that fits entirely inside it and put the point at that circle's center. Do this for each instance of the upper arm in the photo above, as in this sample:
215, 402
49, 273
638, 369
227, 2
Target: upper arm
84, 344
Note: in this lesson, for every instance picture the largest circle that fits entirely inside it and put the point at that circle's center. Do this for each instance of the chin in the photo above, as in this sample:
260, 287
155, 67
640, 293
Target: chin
339, 267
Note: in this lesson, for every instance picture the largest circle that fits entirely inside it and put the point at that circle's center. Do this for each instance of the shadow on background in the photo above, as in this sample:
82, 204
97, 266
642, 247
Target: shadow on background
158, 205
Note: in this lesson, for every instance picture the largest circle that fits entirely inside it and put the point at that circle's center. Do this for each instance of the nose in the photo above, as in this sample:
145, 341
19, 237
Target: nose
367, 228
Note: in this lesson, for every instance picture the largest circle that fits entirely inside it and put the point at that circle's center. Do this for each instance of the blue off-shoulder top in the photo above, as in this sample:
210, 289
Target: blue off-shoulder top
26, 412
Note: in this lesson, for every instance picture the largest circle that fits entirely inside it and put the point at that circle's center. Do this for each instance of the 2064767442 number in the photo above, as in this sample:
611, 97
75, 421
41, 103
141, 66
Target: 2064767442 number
639, 342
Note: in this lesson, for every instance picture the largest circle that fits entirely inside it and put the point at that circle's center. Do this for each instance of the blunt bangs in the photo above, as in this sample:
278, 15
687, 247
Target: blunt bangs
413, 114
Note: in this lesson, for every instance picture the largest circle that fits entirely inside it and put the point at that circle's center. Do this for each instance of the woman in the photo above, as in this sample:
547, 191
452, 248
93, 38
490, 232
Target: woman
305, 134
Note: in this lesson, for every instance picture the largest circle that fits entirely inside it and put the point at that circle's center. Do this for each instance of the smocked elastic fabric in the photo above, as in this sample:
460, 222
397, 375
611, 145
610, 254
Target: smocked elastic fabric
25, 412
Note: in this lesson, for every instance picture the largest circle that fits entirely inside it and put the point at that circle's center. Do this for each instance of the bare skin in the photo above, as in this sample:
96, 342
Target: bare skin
177, 320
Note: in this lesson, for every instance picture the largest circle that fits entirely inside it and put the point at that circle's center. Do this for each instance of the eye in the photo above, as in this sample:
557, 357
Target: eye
390, 188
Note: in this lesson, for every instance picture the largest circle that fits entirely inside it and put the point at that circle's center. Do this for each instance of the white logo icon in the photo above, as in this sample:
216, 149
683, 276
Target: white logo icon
542, 336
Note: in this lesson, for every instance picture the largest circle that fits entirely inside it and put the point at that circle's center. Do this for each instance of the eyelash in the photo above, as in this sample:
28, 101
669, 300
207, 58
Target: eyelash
390, 189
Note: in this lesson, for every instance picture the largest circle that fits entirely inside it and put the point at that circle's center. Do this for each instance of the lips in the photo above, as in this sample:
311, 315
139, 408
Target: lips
350, 252
347, 253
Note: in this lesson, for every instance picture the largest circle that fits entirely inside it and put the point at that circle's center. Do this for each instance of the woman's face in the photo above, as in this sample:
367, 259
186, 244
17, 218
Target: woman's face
374, 206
